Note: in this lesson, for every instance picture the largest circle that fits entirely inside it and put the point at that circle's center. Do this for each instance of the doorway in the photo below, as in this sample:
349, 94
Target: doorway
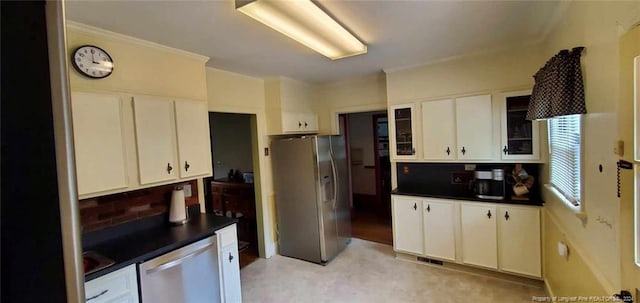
231, 191
368, 152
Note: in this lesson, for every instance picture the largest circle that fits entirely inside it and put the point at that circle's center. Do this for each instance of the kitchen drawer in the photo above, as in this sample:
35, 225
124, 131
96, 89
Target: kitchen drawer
117, 286
227, 235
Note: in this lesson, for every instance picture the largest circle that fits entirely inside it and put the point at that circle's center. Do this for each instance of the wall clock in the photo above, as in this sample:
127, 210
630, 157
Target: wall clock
92, 61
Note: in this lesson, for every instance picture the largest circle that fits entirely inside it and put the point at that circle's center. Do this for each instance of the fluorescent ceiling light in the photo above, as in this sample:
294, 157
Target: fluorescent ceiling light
303, 21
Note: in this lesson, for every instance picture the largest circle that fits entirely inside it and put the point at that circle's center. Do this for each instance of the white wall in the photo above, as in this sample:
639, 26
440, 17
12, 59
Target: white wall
363, 178
140, 67
595, 25
235, 93
230, 143
494, 72
363, 94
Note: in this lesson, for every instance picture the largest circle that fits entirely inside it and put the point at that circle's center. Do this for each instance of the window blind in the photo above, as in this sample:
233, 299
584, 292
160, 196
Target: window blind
564, 144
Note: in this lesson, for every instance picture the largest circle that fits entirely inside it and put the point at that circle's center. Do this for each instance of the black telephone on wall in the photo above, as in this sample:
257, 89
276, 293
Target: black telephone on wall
622, 164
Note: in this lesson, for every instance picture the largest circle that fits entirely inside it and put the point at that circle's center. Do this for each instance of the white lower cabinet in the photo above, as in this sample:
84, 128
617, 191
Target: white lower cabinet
407, 224
497, 236
479, 237
229, 265
120, 286
519, 240
439, 229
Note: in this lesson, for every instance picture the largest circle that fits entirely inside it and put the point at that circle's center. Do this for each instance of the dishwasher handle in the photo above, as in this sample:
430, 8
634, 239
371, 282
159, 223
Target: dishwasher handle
176, 262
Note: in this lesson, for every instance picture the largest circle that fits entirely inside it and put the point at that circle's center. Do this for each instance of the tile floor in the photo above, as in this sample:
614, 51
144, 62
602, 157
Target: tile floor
368, 272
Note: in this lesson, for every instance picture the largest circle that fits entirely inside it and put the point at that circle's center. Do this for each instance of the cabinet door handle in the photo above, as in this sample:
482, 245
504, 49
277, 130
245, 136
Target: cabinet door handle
186, 166
428, 208
230, 257
448, 151
305, 124
299, 124
169, 168
505, 150
489, 214
98, 295
506, 215
415, 206
463, 150
413, 151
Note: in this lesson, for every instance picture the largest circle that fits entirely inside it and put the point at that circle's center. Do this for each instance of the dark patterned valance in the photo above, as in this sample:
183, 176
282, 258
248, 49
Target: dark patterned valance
558, 90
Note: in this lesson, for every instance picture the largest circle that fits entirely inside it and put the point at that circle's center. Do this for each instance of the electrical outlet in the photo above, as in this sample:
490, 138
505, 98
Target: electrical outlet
187, 190
468, 167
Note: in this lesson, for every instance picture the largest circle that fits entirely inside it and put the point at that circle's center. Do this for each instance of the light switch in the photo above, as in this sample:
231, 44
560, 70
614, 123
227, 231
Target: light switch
563, 249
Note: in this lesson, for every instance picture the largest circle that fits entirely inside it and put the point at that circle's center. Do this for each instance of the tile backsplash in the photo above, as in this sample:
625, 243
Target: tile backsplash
111, 210
453, 179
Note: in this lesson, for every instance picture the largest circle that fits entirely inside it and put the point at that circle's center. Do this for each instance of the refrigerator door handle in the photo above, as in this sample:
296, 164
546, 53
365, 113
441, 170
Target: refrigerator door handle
335, 179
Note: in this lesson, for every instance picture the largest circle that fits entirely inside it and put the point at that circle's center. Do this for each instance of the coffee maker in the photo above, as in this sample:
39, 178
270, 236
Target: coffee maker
490, 184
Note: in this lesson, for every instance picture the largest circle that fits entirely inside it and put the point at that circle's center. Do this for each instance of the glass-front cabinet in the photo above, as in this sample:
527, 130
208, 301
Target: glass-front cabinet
403, 127
520, 140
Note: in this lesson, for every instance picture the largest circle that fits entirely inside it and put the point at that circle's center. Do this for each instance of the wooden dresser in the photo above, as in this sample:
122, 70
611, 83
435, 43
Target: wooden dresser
236, 200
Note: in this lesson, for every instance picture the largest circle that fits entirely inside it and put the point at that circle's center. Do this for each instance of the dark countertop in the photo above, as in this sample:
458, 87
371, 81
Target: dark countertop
146, 244
532, 202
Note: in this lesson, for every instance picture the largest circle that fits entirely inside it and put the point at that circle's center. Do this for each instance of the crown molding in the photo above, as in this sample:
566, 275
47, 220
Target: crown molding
88, 29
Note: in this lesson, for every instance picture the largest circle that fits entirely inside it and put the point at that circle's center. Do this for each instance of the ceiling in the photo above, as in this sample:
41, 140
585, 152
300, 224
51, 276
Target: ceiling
398, 33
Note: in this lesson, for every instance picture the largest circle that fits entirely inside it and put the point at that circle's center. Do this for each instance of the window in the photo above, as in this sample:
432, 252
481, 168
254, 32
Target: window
564, 148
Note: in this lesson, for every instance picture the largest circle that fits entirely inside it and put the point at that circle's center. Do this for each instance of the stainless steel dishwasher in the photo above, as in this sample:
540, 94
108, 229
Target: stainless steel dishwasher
188, 274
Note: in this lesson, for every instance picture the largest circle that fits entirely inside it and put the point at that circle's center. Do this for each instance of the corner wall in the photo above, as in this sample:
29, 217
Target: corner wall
629, 49
594, 25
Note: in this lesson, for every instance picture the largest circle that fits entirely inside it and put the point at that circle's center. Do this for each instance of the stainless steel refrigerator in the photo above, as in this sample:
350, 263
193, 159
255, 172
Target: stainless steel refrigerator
312, 197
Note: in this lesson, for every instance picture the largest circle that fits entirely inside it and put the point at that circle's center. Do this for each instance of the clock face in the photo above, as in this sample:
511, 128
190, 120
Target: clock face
92, 61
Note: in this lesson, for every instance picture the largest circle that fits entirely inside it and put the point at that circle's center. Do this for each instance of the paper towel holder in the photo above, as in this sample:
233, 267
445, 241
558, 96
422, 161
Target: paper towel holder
178, 213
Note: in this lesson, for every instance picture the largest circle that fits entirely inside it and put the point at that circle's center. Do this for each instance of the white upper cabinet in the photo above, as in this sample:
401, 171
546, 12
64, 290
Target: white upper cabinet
125, 143
519, 239
299, 122
474, 127
440, 229
99, 142
520, 138
479, 235
194, 147
290, 107
439, 130
458, 129
155, 138
401, 130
